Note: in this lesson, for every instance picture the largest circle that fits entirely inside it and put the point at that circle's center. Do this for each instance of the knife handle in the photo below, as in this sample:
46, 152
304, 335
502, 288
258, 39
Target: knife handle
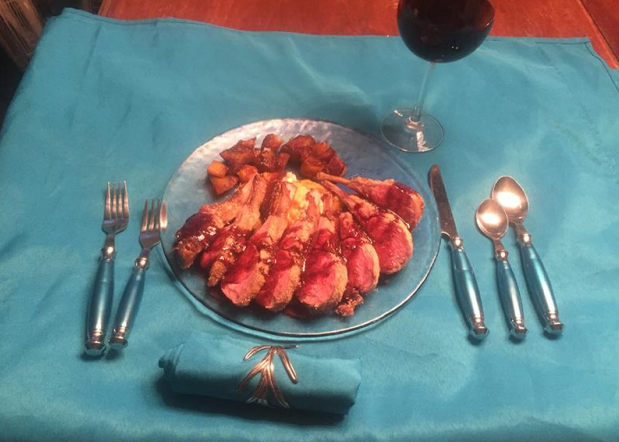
467, 291
510, 297
128, 308
99, 307
540, 288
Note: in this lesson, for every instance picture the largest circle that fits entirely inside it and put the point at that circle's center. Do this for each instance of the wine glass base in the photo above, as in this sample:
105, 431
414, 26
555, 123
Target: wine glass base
412, 136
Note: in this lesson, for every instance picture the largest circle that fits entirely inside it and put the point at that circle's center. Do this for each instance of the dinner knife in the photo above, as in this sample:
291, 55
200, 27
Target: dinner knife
465, 283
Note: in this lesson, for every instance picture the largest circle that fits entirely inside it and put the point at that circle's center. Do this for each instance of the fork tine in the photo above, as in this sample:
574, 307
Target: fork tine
157, 215
106, 214
145, 217
151, 223
114, 201
163, 216
125, 201
119, 201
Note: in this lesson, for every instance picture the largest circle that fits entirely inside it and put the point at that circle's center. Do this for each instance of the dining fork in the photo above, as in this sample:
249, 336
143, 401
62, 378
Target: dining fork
115, 220
154, 221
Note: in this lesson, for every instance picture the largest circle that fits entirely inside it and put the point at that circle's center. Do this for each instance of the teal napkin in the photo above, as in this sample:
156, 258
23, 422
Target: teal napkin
214, 366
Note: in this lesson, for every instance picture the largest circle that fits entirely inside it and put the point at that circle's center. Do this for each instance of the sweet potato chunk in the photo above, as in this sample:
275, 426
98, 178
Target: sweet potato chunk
222, 185
217, 169
311, 166
272, 142
250, 143
246, 172
282, 161
322, 151
267, 161
271, 177
336, 166
240, 154
297, 145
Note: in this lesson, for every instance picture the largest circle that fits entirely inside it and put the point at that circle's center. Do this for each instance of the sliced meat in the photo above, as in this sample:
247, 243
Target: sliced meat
323, 282
388, 194
201, 228
362, 264
196, 235
230, 243
246, 278
285, 274
389, 233
324, 277
273, 192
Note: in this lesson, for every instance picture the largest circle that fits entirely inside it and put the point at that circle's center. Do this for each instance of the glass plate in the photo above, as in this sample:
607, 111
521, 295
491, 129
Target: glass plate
365, 156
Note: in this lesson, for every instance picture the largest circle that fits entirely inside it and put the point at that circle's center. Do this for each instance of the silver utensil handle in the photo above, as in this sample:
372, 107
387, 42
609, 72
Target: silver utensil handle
540, 288
510, 297
467, 291
99, 307
128, 308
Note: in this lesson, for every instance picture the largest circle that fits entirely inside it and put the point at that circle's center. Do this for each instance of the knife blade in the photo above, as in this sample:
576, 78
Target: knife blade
465, 283
448, 225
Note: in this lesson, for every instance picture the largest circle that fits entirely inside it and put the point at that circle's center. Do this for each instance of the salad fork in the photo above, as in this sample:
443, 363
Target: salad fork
115, 220
154, 221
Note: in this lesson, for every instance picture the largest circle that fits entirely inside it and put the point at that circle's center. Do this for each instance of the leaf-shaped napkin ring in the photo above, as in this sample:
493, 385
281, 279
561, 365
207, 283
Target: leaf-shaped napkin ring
266, 369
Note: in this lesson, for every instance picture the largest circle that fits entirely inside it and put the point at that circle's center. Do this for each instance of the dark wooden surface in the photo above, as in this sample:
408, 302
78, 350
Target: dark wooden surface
515, 18
605, 16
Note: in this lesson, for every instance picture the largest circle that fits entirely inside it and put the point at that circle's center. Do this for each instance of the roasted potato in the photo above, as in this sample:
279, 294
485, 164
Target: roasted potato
296, 146
281, 161
336, 166
321, 151
217, 169
240, 154
311, 166
222, 185
272, 142
267, 161
246, 173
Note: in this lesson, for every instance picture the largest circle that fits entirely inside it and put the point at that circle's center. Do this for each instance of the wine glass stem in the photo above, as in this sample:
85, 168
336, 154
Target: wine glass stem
417, 110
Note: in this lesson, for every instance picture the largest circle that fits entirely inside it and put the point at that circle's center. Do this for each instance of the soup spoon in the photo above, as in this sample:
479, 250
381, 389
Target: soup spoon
511, 196
492, 221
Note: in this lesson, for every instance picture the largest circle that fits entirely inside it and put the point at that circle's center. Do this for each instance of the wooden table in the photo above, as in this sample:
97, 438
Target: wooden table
596, 19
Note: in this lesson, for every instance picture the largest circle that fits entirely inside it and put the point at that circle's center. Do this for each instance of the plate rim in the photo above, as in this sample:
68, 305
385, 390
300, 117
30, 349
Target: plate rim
238, 325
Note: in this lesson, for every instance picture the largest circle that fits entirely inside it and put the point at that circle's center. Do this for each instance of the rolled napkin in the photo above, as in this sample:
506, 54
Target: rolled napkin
278, 376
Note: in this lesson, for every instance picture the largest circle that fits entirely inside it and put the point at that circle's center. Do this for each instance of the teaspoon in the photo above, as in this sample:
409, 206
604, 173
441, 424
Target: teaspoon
492, 221
511, 196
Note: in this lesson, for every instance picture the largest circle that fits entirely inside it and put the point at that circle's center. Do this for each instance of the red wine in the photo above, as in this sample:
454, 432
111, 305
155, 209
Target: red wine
444, 30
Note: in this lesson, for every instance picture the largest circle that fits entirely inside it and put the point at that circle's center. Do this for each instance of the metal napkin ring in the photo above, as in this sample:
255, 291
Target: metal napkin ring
266, 369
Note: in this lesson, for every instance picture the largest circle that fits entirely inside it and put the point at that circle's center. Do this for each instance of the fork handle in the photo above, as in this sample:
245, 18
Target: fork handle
99, 307
128, 307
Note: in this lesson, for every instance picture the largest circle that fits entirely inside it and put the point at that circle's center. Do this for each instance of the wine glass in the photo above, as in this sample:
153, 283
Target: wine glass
438, 31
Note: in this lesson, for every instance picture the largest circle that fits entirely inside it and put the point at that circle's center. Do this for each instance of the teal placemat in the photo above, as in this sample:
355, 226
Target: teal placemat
106, 100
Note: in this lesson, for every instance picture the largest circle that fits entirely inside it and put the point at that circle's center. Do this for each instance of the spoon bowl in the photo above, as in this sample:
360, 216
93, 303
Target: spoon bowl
492, 219
512, 198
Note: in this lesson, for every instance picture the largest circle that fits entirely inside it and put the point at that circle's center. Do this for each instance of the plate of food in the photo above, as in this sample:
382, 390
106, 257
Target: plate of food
299, 228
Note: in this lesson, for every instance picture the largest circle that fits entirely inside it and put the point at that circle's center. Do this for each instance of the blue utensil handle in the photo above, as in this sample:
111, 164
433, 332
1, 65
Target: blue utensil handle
468, 293
99, 307
128, 308
540, 288
510, 298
